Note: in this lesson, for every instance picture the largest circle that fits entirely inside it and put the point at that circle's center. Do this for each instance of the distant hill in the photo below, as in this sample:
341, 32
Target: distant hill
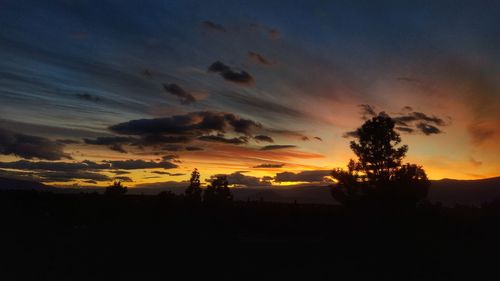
468, 192
447, 191
15, 184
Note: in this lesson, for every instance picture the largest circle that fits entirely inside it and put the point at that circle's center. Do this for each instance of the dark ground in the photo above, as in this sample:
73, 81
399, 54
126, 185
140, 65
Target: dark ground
49, 236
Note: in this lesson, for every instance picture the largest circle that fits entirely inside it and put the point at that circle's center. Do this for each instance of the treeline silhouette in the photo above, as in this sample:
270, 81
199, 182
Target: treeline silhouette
384, 229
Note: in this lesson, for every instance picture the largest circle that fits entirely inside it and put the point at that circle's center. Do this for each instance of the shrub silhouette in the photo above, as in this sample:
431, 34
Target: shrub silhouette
378, 176
116, 189
218, 191
193, 191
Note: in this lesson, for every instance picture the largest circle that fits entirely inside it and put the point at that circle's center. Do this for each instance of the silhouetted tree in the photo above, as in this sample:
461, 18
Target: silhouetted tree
116, 189
378, 175
193, 191
218, 191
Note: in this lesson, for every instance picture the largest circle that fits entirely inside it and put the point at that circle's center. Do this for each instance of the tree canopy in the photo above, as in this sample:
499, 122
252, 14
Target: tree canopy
378, 175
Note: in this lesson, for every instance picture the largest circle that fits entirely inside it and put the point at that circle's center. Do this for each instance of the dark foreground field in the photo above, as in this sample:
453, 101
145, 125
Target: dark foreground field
49, 236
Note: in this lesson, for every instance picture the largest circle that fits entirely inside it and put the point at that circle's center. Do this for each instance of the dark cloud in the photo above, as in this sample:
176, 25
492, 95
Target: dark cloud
263, 138
184, 96
50, 166
29, 147
170, 157
122, 179
118, 172
305, 138
113, 143
118, 148
428, 129
73, 175
270, 166
167, 173
239, 179
172, 147
212, 26
318, 138
194, 123
160, 139
211, 138
304, 176
415, 116
350, 134
67, 141
405, 129
242, 77
140, 164
86, 165
407, 121
88, 97
90, 181
259, 59
193, 148
277, 146
108, 140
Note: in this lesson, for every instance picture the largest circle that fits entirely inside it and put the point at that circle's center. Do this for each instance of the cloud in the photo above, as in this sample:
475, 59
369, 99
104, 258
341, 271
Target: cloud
170, 157
167, 173
114, 143
270, 166
140, 164
184, 96
123, 179
88, 97
259, 59
277, 146
428, 129
239, 179
193, 148
118, 172
211, 138
242, 77
263, 138
194, 123
86, 165
54, 166
405, 129
318, 138
73, 175
418, 116
212, 26
29, 147
407, 121
304, 176
67, 141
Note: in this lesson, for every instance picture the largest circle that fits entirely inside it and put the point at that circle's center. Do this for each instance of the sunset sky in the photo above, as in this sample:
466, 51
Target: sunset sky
264, 91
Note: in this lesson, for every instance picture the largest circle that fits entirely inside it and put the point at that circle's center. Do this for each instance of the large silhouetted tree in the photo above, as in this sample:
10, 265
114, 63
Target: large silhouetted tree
378, 175
193, 191
218, 191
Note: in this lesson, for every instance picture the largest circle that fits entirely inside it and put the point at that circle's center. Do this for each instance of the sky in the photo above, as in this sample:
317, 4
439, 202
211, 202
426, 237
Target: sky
263, 91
